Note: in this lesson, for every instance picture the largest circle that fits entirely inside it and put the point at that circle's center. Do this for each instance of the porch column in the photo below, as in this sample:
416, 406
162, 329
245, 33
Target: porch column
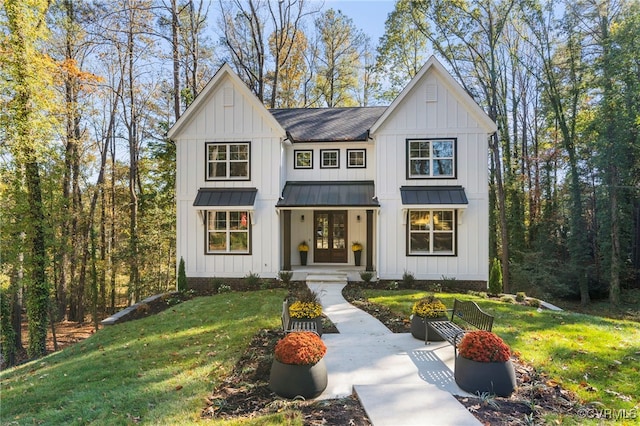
286, 236
369, 266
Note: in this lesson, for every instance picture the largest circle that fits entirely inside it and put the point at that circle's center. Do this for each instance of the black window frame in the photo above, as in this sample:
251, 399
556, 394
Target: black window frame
227, 230
431, 232
295, 158
364, 158
228, 144
431, 159
326, 151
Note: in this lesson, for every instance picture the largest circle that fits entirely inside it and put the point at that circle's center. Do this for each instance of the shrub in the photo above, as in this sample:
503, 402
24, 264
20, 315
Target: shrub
253, 279
285, 277
182, 276
216, 283
307, 295
408, 279
366, 276
483, 346
429, 307
521, 296
507, 299
449, 282
533, 302
435, 287
495, 278
300, 348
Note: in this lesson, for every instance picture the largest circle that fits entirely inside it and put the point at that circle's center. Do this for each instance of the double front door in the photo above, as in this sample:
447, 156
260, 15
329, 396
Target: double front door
330, 236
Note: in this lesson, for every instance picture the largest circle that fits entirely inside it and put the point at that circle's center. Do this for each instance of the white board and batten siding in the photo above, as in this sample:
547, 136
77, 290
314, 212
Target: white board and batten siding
228, 114
433, 109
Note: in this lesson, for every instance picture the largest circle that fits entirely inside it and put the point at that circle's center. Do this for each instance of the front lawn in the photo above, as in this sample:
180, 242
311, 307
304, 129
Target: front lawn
157, 370
597, 358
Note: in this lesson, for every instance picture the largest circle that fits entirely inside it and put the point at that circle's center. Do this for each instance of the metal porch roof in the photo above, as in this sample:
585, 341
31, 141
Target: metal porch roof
217, 197
329, 194
433, 195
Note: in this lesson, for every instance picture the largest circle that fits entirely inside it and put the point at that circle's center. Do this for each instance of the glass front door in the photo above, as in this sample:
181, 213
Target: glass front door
331, 237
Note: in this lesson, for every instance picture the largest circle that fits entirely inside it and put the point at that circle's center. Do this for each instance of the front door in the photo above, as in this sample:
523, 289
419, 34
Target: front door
331, 237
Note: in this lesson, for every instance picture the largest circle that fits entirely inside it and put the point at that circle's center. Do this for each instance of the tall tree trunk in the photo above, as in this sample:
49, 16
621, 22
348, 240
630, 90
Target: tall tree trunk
38, 291
504, 237
175, 53
134, 278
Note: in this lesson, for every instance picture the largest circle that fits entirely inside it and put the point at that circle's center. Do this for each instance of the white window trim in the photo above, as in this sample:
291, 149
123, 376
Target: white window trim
329, 151
431, 159
300, 152
406, 213
364, 158
250, 222
228, 161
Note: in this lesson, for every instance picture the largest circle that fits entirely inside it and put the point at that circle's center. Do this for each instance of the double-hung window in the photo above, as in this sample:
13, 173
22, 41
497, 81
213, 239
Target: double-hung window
228, 161
228, 231
431, 158
431, 232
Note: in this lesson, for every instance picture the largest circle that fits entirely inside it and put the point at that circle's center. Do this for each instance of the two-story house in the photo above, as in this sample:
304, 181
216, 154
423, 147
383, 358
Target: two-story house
408, 182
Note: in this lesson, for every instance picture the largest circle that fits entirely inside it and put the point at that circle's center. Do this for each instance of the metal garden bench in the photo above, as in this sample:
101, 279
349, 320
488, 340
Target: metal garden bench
290, 325
467, 313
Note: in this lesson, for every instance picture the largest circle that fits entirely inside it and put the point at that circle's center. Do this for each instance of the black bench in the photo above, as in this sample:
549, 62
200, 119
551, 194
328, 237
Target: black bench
290, 325
466, 312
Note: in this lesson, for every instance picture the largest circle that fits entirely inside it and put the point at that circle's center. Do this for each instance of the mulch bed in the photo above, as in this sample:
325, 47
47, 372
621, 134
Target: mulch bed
245, 394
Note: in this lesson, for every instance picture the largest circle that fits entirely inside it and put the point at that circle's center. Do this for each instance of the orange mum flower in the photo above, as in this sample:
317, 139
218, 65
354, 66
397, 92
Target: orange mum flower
300, 348
484, 346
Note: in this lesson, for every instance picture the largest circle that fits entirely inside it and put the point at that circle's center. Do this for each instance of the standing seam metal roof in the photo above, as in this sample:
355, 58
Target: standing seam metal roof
329, 194
433, 195
209, 197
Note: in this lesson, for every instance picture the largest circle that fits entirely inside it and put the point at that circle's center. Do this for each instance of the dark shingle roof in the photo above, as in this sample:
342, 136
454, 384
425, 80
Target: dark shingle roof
209, 197
328, 124
433, 195
329, 194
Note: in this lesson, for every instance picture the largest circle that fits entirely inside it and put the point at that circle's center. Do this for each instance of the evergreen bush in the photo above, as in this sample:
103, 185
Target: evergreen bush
182, 276
495, 278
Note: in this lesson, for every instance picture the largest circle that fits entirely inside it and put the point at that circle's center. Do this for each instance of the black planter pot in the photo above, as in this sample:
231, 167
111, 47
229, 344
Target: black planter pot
419, 328
290, 381
498, 378
357, 256
303, 257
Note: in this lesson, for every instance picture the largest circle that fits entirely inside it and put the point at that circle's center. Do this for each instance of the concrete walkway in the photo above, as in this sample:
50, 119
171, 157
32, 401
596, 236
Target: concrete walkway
399, 380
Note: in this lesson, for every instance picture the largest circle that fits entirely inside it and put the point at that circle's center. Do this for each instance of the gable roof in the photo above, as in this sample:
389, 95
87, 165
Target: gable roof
224, 73
328, 124
433, 65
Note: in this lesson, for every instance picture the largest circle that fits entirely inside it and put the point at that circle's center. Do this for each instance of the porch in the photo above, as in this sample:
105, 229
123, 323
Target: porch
328, 217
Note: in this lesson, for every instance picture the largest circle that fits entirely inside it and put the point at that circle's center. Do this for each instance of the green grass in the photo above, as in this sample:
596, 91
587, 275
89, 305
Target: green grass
156, 370
159, 370
597, 358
